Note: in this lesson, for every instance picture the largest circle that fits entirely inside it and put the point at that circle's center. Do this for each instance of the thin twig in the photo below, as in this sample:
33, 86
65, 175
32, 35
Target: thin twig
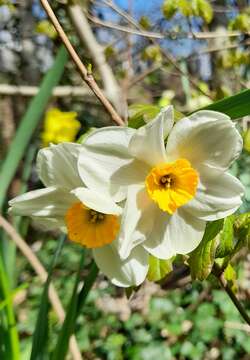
42, 273
167, 56
162, 35
86, 75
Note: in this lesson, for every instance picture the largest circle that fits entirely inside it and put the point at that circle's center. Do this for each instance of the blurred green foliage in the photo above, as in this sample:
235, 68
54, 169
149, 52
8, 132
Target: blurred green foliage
177, 324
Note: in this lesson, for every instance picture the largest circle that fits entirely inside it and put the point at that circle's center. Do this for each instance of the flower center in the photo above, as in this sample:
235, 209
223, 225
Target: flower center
172, 185
89, 227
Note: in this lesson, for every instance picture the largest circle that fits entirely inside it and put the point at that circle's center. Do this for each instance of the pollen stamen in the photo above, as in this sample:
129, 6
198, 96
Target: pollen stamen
172, 185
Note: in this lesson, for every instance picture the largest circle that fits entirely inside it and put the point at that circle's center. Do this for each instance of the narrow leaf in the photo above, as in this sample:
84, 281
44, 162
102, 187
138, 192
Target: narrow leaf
235, 106
29, 123
40, 336
11, 341
70, 319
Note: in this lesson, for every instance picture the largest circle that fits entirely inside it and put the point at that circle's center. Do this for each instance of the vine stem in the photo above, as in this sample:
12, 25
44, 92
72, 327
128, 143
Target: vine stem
86, 75
224, 284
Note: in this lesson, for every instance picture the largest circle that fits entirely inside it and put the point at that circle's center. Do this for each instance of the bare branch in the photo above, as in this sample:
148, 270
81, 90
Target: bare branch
87, 37
58, 91
86, 75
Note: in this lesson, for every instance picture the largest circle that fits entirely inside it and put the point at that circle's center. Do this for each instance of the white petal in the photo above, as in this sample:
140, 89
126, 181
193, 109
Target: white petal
97, 201
218, 195
57, 165
185, 231
124, 273
137, 220
104, 152
49, 202
110, 172
45, 223
158, 242
147, 144
206, 137
179, 233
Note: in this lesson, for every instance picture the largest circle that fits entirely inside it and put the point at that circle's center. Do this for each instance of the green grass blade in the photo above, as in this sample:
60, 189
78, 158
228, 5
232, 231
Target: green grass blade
88, 283
40, 336
68, 326
235, 106
12, 294
29, 123
11, 339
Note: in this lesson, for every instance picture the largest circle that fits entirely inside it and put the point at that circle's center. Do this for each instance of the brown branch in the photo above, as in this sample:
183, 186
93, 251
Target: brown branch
86, 75
42, 273
111, 86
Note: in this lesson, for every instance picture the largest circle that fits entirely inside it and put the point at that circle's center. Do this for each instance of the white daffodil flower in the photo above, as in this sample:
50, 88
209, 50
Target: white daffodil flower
172, 189
91, 218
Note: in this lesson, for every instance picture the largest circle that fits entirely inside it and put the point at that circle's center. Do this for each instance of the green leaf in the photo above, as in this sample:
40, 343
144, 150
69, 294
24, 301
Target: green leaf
242, 228
230, 276
201, 260
9, 328
169, 8
88, 283
158, 268
203, 9
139, 114
226, 238
40, 337
68, 326
235, 106
29, 123
184, 7
246, 139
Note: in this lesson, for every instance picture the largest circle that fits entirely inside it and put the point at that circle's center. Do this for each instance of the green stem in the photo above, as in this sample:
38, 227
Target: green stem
224, 284
9, 311
87, 285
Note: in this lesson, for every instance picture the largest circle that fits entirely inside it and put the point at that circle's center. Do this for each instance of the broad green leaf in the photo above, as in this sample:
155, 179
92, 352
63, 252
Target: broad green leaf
235, 106
246, 139
230, 276
29, 123
158, 268
201, 260
140, 114
40, 336
242, 228
226, 238
70, 319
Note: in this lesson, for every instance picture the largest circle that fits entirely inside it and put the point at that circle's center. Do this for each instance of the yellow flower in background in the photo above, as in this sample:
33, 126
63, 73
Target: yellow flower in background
59, 126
